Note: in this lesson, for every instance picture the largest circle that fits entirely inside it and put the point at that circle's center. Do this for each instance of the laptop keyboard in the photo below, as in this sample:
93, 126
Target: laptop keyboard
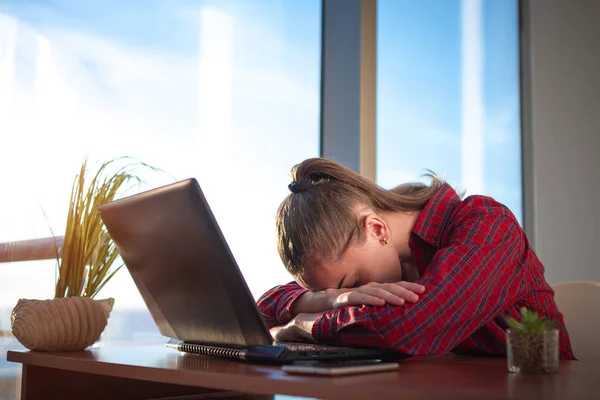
292, 346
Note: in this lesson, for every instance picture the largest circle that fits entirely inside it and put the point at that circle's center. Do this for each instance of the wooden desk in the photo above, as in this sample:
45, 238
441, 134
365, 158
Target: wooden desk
155, 372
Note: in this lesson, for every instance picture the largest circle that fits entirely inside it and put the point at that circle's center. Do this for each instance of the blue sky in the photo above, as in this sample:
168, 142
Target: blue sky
227, 91
419, 94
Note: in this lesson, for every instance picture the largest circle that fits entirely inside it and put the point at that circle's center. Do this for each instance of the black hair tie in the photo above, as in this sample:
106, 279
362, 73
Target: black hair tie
305, 184
301, 186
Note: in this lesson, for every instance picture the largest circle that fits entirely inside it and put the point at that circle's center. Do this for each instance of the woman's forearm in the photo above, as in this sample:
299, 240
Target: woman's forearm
311, 302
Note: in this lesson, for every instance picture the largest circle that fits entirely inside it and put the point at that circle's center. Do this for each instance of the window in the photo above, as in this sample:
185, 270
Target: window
448, 95
225, 91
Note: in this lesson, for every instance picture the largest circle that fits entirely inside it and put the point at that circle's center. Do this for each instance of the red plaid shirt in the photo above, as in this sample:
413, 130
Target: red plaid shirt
478, 269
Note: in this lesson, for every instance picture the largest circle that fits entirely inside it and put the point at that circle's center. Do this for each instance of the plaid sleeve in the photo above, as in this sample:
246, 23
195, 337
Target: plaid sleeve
468, 283
275, 304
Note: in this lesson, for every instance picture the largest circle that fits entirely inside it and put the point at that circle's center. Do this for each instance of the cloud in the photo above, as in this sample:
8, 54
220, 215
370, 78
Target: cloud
96, 94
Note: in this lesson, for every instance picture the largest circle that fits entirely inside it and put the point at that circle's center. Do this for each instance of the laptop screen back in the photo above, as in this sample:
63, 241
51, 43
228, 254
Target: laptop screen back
178, 258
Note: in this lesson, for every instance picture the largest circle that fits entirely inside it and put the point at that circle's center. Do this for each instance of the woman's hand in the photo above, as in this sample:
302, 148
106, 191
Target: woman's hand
298, 329
371, 294
377, 294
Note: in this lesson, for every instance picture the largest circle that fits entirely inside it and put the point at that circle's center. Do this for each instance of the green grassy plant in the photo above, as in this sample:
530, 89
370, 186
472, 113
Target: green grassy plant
87, 259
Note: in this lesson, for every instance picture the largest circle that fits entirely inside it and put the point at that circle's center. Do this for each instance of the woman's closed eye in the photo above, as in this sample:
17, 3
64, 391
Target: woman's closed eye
354, 284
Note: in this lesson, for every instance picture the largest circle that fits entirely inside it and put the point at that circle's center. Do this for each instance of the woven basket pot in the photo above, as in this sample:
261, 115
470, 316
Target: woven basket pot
70, 323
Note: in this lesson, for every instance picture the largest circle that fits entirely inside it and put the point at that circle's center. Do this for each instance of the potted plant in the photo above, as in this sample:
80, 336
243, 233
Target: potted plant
532, 343
86, 261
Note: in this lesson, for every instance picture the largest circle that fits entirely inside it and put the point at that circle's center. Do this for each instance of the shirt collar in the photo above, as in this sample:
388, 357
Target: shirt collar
436, 215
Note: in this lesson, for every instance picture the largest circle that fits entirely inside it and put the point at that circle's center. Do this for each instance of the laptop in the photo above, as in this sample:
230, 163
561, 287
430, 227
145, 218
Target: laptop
179, 260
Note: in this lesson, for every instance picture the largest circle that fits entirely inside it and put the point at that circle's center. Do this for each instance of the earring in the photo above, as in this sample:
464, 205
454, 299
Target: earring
385, 241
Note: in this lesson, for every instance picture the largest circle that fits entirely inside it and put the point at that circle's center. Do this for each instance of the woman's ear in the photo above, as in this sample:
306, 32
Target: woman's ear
376, 228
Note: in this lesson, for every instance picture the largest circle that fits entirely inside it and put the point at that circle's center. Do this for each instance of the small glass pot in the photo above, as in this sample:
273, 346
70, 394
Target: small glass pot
532, 353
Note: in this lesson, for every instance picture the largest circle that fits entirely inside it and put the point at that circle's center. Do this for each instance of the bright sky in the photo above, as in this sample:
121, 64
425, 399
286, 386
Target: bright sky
448, 74
227, 92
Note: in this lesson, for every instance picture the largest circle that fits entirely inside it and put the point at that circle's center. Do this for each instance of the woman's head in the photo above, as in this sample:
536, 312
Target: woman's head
336, 225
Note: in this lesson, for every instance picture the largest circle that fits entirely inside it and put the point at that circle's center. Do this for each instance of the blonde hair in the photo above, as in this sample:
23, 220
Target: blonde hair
318, 218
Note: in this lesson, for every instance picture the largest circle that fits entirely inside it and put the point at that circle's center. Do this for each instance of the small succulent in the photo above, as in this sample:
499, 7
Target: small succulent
531, 323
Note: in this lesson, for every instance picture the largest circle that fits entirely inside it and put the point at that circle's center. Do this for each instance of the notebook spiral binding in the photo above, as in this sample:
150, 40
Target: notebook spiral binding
212, 351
